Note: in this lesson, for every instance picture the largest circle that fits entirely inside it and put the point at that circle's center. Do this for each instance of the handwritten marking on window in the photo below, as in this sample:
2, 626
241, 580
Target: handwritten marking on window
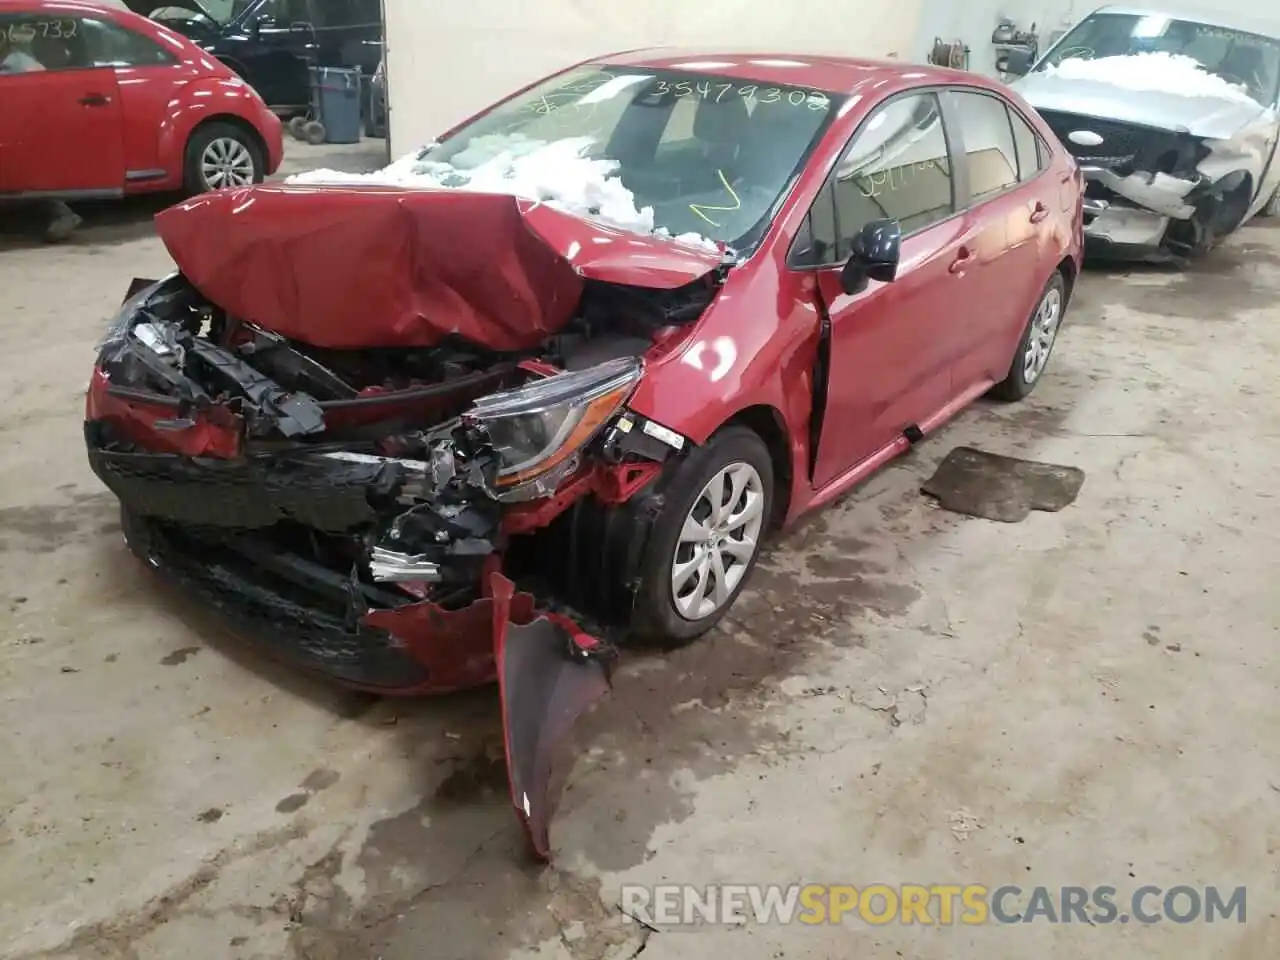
881, 182
715, 91
51, 29
700, 208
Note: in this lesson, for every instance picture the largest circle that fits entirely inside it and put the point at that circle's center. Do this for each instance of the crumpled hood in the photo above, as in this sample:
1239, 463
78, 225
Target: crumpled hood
360, 267
1213, 117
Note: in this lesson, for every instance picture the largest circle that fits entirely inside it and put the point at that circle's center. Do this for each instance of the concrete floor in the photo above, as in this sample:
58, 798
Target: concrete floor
904, 694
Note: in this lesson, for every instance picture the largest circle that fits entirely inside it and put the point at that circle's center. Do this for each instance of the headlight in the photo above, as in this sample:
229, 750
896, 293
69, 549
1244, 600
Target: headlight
538, 430
123, 320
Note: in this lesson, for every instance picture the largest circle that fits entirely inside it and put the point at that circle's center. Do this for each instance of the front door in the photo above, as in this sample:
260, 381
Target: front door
60, 124
148, 76
891, 345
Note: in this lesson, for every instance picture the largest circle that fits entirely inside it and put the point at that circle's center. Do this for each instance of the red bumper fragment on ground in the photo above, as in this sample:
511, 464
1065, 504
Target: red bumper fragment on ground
549, 674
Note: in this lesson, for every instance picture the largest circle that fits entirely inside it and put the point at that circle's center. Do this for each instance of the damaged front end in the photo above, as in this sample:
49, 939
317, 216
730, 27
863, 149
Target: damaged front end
1154, 193
379, 515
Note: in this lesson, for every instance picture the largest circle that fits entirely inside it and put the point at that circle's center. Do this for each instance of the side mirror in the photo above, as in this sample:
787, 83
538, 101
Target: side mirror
1017, 62
873, 255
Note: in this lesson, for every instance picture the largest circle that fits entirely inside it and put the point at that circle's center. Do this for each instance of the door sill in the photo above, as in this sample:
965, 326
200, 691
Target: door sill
112, 194
895, 447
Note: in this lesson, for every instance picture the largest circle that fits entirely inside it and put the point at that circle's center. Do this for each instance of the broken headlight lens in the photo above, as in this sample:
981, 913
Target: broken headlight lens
538, 429
127, 315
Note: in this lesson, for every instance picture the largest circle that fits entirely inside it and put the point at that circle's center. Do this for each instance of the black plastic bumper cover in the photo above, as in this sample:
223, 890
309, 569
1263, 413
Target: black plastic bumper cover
289, 611
331, 496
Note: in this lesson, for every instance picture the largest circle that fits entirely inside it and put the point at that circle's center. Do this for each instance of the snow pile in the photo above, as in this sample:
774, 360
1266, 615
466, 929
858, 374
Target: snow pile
558, 173
1164, 72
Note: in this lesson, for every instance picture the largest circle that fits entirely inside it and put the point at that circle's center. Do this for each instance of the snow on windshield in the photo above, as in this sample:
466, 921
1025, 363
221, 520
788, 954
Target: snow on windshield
1156, 71
558, 173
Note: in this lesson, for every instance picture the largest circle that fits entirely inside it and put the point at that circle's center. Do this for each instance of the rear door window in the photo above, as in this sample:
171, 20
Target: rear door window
989, 145
1032, 156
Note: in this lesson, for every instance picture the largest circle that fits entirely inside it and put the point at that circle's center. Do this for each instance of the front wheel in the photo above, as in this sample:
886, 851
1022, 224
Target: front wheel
1038, 338
222, 155
706, 542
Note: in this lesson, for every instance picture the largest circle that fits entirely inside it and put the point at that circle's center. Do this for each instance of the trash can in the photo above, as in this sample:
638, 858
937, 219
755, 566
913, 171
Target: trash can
335, 102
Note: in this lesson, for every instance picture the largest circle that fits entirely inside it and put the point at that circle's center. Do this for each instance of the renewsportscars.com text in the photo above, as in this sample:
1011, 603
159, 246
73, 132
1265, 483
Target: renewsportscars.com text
675, 905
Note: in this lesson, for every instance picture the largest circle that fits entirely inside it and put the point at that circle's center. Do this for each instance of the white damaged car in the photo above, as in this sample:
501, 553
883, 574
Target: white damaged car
1172, 117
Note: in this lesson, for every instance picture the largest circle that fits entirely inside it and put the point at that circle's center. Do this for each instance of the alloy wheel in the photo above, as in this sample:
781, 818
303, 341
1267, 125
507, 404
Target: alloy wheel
717, 542
1044, 330
226, 162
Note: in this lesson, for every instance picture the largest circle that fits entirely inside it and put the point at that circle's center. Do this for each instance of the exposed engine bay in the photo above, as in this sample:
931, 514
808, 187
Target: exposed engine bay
1151, 187
398, 519
405, 463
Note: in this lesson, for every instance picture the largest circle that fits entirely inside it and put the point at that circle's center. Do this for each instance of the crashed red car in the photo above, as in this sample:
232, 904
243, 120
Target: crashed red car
412, 432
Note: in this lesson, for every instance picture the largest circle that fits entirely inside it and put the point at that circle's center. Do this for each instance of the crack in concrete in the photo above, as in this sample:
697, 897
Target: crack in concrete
120, 934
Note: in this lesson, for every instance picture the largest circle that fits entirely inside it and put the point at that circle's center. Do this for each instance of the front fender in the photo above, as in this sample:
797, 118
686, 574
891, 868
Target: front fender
755, 346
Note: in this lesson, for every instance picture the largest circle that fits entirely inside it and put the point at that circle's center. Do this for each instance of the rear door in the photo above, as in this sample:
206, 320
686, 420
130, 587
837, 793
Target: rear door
60, 119
891, 345
147, 76
1010, 212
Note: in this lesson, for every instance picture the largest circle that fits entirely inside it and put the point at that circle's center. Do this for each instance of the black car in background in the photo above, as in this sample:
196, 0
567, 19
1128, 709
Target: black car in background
272, 43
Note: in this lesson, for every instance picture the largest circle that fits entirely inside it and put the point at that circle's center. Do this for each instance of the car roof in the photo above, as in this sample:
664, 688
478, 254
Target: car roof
829, 74
71, 6
1264, 26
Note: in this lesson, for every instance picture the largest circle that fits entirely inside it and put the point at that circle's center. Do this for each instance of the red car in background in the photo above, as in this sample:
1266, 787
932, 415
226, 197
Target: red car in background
96, 101
394, 425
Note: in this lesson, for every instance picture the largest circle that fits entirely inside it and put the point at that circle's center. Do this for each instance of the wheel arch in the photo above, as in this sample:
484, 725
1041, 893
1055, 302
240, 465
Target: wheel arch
768, 424
238, 123
1069, 275
231, 120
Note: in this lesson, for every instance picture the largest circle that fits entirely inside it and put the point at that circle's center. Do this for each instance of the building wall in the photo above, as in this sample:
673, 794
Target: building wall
446, 60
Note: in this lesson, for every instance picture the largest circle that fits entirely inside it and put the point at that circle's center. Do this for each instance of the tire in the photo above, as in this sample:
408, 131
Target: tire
656, 618
314, 133
1024, 372
211, 141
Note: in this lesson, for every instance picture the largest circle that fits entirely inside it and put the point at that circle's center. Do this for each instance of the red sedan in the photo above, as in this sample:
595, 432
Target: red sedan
582, 353
101, 102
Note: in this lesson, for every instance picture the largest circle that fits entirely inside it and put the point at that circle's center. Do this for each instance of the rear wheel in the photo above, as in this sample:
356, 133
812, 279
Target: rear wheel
706, 542
222, 155
1038, 338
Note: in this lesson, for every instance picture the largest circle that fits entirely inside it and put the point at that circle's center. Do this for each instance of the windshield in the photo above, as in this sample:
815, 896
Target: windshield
220, 12
1245, 59
702, 154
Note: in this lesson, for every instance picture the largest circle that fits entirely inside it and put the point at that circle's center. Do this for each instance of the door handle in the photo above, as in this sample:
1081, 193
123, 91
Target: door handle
1039, 212
963, 256
94, 100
